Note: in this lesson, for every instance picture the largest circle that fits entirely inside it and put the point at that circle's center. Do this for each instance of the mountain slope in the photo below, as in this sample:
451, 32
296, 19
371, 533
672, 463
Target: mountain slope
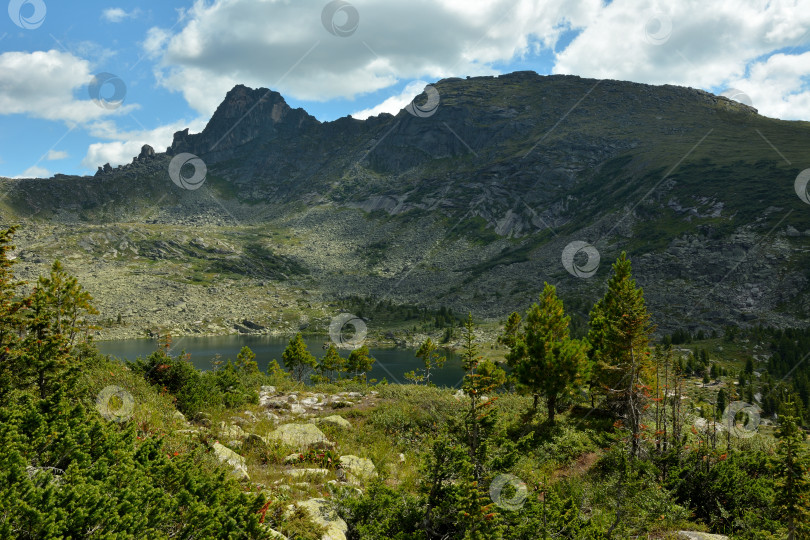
469, 206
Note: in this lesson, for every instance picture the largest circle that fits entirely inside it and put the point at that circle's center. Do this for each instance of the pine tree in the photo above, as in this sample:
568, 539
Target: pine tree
331, 364
55, 319
297, 358
620, 331
722, 402
544, 359
11, 308
482, 377
246, 361
360, 362
793, 486
431, 358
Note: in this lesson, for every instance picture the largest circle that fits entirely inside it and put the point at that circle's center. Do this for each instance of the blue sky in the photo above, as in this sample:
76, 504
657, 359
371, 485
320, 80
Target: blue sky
176, 59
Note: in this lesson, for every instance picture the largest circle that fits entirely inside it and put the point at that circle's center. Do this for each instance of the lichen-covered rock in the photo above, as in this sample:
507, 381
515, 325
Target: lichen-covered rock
300, 436
321, 513
234, 460
231, 431
335, 420
360, 468
697, 535
298, 473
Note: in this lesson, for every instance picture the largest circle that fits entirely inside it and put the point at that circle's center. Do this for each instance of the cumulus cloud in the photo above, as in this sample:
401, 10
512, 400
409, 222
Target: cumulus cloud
709, 45
285, 46
35, 171
124, 145
393, 104
44, 84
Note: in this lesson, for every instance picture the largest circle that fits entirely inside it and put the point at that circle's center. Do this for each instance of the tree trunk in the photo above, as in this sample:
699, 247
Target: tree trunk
551, 404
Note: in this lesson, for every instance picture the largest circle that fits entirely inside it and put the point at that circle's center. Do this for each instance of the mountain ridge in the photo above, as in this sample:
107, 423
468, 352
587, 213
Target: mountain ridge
471, 204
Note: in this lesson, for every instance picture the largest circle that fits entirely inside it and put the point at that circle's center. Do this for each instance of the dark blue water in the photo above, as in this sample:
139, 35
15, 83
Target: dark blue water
391, 364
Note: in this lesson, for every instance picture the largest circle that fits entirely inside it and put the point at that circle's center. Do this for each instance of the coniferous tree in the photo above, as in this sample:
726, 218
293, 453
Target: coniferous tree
331, 364
11, 308
55, 319
360, 362
297, 358
793, 486
427, 352
482, 377
544, 359
246, 361
620, 331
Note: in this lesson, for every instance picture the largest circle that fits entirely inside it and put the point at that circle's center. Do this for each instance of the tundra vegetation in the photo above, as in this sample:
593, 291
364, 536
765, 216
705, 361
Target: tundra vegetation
609, 433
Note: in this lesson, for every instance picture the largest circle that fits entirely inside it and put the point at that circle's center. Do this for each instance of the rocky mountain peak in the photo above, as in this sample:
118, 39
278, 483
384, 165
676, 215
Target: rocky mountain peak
244, 115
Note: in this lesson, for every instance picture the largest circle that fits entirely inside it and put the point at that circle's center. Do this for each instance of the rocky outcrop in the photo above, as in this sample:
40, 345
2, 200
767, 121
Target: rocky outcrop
358, 468
321, 513
696, 535
335, 420
300, 436
232, 459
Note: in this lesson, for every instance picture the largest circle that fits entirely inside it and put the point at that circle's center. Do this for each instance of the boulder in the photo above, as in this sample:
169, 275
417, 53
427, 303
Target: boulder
268, 389
697, 535
360, 468
254, 442
335, 420
321, 513
231, 431
298, 473
234, 460
300, 436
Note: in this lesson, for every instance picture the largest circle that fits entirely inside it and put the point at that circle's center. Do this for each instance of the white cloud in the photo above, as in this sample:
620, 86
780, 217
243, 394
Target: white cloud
284, 45
44, 84
711, 45
116, 15
778, 86
53, 155
35, 172
124, 145
393, 104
